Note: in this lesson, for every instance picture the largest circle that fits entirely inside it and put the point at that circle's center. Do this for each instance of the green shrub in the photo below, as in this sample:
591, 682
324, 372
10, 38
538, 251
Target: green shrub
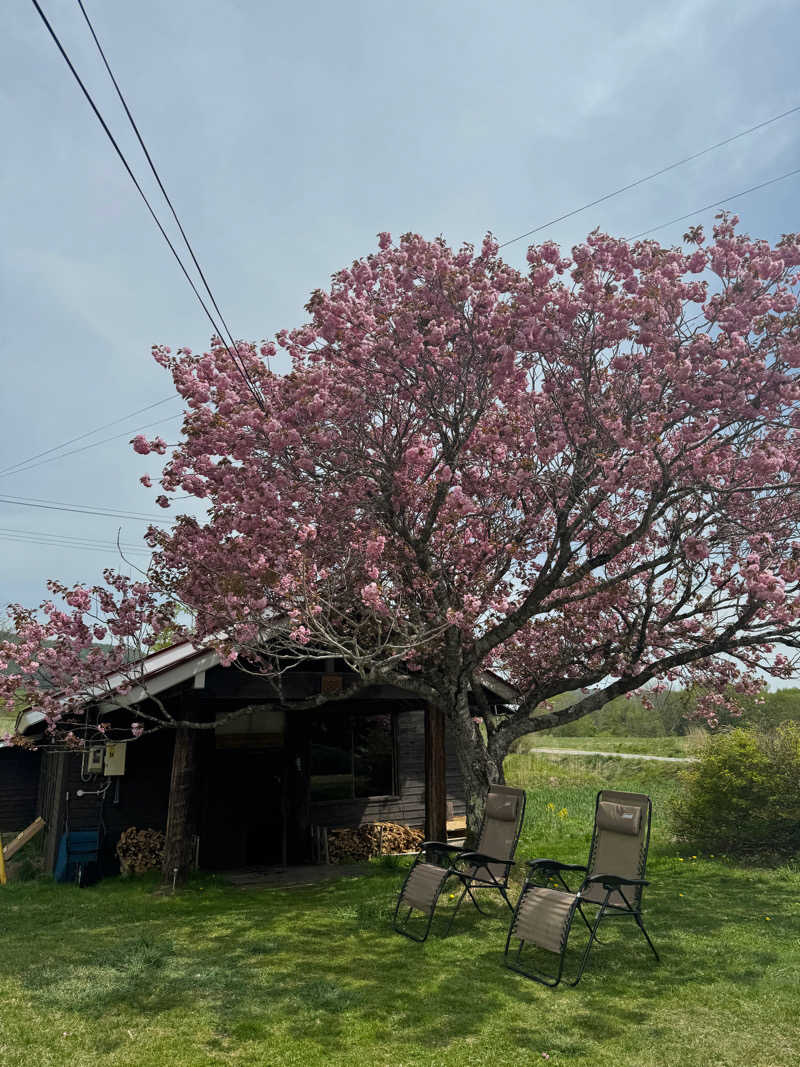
743, 796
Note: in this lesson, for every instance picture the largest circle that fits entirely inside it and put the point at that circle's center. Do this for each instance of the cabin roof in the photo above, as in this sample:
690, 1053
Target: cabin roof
169, 667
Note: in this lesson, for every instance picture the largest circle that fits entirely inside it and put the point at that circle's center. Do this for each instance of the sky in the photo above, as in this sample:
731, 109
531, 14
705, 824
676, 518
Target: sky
288, 136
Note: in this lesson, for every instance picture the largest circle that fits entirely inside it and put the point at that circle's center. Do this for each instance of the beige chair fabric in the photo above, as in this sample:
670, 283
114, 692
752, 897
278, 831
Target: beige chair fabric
617, 851
543, 917
423, 886
500, 830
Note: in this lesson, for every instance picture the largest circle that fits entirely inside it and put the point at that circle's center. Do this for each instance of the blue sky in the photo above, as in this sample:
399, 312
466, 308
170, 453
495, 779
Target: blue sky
288, 136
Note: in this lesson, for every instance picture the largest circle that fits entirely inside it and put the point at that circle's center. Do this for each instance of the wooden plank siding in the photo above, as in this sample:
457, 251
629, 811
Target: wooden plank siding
20, 772
240, 815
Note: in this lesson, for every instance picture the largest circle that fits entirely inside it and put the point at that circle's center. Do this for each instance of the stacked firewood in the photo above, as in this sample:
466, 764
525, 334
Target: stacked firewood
372, 839
140, 850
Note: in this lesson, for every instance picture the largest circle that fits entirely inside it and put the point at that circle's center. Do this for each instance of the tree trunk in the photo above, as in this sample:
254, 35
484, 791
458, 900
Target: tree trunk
479, 768
181, 816
435, 774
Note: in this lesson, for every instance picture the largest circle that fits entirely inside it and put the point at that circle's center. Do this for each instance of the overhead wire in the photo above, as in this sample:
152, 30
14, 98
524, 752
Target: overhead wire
78, 509
655, 174
21, 469
157, 177
42, 537
235, 359
88, 433
717, 203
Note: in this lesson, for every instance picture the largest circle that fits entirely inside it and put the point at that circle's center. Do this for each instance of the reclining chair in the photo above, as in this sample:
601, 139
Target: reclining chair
487, 867
614, 879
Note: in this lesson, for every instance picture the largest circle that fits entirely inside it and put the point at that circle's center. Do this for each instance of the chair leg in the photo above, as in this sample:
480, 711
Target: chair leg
592, 939
464, 892
550, 980
640, 924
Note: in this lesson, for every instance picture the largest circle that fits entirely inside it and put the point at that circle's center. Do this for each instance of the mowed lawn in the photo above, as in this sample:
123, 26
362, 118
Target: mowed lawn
117, 975
645, 746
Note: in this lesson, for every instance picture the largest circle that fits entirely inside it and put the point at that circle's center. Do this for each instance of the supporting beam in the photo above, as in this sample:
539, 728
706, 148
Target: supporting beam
435, 775
181, 814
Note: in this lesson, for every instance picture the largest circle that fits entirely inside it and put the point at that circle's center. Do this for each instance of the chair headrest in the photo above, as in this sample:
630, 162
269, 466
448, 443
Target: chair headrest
501, 806
620, 818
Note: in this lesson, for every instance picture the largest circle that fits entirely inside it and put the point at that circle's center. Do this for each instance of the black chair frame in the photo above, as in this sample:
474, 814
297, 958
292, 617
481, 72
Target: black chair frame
553, 871
456, 859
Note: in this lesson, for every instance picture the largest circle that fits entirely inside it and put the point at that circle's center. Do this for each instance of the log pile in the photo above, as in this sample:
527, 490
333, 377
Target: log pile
372, 839
140, 850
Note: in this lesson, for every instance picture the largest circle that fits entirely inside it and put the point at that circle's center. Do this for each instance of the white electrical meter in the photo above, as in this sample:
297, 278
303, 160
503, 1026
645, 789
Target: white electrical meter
93, 759
115, 759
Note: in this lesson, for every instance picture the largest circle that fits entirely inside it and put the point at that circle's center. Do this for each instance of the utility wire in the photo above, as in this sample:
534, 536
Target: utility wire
108, 547
717, 203
79, 539
21, 469
234, 358
157, 177
655, 174
78, 509
59, 542
89, 433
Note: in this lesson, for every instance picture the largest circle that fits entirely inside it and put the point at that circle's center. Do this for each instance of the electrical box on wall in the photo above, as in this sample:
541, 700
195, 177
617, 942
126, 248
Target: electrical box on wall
93, 759
115, 759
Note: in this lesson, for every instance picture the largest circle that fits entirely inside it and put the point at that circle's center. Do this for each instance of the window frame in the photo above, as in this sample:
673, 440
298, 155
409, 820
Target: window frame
395, 752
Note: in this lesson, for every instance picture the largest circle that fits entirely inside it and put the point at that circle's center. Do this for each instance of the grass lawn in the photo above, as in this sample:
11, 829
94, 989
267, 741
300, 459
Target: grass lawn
116, 975
646, 746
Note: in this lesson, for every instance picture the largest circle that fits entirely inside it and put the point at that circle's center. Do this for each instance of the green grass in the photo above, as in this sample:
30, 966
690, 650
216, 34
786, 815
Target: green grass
646, 746
7, 724
118, 975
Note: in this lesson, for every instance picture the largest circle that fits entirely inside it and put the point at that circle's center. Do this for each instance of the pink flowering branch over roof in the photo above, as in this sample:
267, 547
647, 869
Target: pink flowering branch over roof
585, 474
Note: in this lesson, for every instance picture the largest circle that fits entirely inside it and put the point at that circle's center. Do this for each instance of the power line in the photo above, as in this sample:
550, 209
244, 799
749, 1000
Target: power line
234, 358
78, 509
108, 547
717, 203
157, 177
21, 469
88, 433
65, 541
655, 174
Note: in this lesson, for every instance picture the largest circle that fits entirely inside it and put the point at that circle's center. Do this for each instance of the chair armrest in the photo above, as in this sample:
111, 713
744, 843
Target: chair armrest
443, 846
483, 858
556, 865
613, 881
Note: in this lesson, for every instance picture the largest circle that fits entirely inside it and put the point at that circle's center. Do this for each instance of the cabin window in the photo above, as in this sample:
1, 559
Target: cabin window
352, 756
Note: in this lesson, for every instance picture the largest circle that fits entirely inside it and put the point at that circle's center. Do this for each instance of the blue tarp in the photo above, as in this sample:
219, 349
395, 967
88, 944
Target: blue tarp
77, 848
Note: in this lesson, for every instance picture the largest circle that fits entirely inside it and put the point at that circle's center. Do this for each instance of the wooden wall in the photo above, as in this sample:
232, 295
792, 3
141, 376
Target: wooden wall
240, 819
19, 788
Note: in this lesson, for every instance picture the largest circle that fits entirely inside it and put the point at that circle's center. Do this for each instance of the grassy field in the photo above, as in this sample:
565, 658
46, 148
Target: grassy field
119, 975
646, 746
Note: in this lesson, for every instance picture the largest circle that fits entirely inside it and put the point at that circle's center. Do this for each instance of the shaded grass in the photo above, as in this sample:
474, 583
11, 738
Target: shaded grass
215, 975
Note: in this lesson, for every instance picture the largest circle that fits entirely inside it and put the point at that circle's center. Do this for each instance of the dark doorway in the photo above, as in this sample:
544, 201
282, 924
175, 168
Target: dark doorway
242, 823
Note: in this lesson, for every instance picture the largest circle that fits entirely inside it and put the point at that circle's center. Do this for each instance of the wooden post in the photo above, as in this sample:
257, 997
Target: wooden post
435, 775
181, 815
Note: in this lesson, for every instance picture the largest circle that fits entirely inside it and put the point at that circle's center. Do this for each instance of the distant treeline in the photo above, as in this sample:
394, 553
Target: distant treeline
673, 714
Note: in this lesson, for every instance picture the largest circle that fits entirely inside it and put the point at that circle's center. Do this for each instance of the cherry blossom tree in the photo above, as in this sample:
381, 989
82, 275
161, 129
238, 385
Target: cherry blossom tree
584, 476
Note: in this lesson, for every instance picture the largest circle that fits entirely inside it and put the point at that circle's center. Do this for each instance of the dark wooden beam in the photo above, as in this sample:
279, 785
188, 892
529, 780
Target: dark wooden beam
435, 775
181, 814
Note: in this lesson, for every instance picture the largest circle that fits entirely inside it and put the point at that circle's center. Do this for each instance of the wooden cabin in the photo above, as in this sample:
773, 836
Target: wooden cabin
266, 777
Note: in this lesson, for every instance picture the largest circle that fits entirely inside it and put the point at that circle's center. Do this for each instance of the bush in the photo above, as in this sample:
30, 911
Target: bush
743, 796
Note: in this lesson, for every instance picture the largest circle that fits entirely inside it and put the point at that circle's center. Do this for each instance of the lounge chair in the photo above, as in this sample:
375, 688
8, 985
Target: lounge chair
613, 881
485, 867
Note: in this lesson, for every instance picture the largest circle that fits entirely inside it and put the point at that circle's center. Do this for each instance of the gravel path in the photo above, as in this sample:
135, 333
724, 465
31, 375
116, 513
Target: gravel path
616, 755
